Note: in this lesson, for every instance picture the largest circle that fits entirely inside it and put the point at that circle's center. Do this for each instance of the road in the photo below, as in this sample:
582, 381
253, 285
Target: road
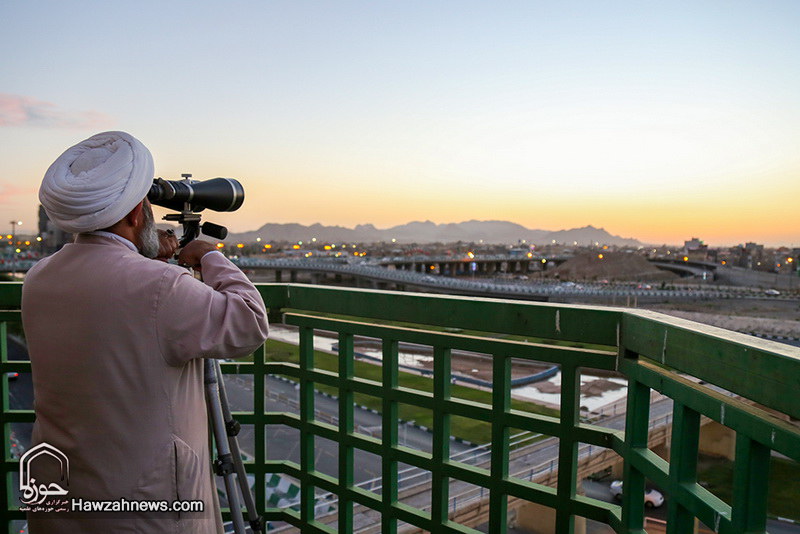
283, 442
600, 491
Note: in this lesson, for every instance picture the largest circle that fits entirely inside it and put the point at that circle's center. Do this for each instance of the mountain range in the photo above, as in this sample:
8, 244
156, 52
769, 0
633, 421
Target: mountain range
430, 232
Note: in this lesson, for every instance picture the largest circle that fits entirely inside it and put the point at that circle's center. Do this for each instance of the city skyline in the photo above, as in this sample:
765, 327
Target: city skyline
659, 123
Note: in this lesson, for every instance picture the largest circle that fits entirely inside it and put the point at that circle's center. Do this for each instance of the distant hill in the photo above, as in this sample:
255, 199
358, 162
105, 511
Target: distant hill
429, 232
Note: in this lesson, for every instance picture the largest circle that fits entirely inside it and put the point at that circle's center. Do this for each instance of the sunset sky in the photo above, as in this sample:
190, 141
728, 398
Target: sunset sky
658, 121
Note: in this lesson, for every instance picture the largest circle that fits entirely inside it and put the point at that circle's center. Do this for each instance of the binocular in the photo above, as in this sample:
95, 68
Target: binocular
192, 196
217, 194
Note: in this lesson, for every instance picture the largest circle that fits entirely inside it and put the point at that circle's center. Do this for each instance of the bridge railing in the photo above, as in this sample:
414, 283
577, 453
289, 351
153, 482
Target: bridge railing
677, 358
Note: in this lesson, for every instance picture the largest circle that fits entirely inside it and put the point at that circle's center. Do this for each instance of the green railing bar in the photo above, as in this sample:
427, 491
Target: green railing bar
587, 324
636, 430
761, 426
5, 489
10, 295
11, 316
650, 465
750, 486
597, 435
597, 510
346, 429
307, 419
762, 371
11, 365
440, 448
531, 491
409, 514
596, 359
567, 449
3, 344
259, 426
315, 527
18, 416
389, 420
682, 466
501, 404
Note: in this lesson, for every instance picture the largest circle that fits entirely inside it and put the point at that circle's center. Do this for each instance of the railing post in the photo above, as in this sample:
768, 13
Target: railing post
259, 427
501, 403
567, 448
389, 421
346, 423
306, 419
637, 421
750, 485
682, 464
5, 484
441, 437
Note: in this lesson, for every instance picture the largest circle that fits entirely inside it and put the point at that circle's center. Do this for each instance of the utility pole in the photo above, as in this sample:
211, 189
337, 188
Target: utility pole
14, 225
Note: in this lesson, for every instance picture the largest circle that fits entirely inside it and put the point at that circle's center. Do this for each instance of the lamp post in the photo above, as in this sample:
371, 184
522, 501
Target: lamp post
14, 225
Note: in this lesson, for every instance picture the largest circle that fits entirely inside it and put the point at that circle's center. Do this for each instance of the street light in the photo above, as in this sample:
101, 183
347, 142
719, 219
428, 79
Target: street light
14, 225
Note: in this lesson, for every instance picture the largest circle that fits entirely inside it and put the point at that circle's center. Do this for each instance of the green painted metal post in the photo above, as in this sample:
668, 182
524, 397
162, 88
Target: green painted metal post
259, 427
5, 483
306, 418
390, 432
750, 486
568, 448
346, 426
501, 404
441, 438
682, 465
637, 421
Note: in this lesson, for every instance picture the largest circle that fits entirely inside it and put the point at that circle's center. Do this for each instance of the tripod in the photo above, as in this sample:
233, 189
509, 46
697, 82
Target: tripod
228, 463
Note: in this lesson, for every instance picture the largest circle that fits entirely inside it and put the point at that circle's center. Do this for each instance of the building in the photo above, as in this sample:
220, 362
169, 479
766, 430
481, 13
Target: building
53, 237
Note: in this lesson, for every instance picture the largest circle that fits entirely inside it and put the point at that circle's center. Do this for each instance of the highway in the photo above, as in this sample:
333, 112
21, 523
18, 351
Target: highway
501, 288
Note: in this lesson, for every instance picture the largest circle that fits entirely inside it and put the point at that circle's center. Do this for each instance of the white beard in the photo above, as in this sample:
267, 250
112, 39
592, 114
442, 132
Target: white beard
148, 236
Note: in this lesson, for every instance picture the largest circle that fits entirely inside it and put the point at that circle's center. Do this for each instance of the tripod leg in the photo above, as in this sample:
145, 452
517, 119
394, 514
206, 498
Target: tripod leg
232, 426
224, 464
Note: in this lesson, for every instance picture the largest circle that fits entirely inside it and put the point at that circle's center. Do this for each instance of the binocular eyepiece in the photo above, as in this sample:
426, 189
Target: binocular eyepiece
217, 194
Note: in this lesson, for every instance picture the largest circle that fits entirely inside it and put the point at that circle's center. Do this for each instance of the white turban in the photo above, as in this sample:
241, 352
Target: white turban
97, 182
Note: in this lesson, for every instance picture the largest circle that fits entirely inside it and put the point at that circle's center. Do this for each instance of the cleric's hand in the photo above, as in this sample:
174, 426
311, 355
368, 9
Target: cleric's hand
191, 254
167, 245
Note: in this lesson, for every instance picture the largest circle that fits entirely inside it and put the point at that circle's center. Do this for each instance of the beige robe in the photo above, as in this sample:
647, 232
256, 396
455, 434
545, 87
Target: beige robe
116, 342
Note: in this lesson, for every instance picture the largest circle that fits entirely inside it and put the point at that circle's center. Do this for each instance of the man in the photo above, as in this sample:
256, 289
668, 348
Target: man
116, 341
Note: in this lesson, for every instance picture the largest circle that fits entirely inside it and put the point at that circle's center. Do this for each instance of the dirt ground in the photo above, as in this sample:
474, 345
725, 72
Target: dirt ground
589, 388
761, 316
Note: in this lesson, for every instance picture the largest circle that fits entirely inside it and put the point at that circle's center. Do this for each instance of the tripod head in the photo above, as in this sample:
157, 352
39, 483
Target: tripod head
189, 197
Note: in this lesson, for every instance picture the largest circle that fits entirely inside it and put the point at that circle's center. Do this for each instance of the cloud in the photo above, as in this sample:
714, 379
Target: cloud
16, 110
8, 192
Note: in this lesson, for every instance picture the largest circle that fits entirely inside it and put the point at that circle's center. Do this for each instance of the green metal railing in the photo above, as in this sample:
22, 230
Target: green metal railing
653, 351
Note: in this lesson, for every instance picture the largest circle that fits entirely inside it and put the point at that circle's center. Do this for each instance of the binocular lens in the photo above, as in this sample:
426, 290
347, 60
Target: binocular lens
217, 194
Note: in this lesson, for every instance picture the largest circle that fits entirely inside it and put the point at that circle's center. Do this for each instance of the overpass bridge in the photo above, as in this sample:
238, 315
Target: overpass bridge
377, 277
465, 265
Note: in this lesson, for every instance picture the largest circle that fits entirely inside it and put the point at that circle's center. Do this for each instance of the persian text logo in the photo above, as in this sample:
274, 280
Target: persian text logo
33, 493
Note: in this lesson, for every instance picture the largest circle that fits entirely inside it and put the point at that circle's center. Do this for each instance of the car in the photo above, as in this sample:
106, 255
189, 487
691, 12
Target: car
652, 498
772, 292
